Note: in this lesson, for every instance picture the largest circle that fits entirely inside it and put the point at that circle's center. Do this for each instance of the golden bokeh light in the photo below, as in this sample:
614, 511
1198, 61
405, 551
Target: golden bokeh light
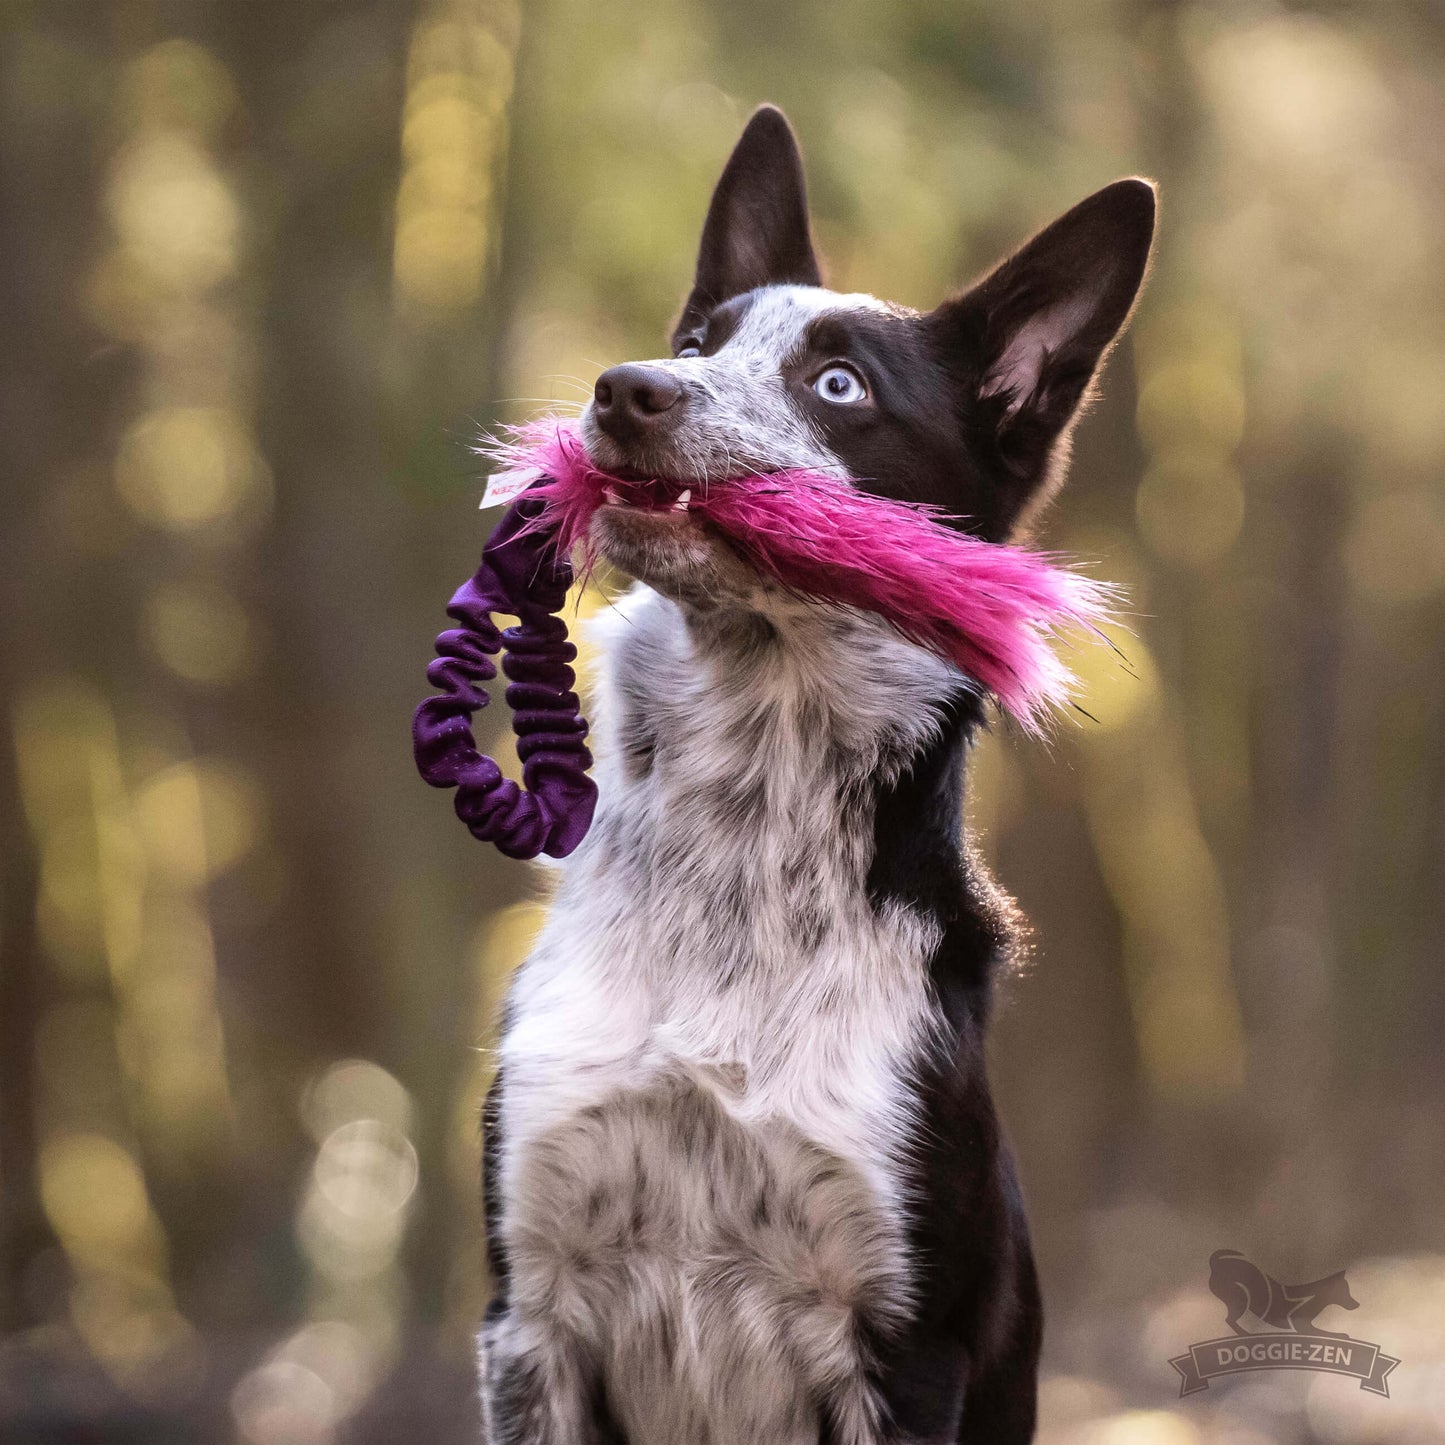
92, 872
177, 85
200, 632
173, 213
1194, 401
187, 466
1190, 507
1142, 1427
1295, 91
183, 467
1162, 877
199, 818
169, 1034
440, 250
110, 861
459, 83
1119, 683
354, 1211
95, 1197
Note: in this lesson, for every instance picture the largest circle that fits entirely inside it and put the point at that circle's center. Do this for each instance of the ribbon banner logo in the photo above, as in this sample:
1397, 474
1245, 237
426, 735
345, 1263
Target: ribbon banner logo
1288, 1338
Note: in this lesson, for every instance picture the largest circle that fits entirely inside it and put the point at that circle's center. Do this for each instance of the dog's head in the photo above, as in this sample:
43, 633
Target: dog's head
1335, 1290
967, 407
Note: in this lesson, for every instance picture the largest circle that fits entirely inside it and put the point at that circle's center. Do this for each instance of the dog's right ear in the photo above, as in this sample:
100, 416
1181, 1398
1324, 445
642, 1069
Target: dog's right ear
756, 232
1031, 336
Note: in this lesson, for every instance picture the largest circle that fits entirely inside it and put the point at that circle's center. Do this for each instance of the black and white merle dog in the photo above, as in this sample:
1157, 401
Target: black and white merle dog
744, 1179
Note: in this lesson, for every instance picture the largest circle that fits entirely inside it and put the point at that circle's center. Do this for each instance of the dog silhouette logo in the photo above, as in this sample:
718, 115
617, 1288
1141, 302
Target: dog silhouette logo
1274, 1328
1245, 1289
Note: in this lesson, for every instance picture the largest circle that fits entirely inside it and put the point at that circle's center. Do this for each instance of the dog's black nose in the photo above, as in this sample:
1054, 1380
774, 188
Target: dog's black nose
633, 399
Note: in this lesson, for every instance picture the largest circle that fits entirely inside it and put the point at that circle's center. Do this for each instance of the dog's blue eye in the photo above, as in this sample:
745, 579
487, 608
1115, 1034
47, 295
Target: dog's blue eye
841, 385
691, 349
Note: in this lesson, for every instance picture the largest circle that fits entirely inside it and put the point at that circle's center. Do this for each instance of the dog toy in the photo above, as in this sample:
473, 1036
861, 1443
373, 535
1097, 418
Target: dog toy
993, 610
522, 573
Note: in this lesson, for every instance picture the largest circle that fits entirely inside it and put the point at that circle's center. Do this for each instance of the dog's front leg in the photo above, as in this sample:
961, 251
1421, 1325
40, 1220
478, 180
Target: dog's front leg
923, 1387
540, 1386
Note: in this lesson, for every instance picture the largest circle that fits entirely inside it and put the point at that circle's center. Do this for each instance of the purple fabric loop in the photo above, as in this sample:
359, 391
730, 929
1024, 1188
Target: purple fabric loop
521, 574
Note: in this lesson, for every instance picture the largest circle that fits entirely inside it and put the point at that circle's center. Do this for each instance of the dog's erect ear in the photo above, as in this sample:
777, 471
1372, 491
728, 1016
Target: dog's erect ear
1028, 339
756, 233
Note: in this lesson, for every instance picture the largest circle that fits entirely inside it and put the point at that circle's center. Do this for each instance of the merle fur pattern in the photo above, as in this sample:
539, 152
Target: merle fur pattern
744, 1177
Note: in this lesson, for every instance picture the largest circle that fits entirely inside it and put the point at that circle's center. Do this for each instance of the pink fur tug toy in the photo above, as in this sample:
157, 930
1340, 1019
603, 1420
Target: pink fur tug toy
992, 610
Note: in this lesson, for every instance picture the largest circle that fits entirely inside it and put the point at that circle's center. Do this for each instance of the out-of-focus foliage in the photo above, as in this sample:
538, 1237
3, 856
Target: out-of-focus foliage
266, 268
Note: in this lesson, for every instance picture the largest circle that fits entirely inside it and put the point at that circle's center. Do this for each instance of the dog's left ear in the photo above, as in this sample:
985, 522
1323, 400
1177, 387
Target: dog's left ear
756, 233
1028, 340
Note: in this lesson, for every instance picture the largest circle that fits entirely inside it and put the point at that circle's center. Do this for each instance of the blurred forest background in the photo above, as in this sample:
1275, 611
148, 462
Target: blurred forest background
264, 271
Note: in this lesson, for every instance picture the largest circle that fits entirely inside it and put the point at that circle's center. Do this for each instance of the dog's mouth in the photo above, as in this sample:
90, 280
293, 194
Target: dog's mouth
645, 492
652, 474
659, 530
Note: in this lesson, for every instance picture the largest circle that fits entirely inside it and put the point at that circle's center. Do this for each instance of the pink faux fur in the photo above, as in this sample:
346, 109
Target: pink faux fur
992, 610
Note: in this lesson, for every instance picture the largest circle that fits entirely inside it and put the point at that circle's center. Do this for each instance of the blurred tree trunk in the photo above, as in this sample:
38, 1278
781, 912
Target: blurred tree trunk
1290, 926
364, 418
23, 1231
22, 1228
58, 600
322, 92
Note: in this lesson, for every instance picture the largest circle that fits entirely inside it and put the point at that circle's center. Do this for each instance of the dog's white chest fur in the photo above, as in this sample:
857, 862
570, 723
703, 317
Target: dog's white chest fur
706, 1055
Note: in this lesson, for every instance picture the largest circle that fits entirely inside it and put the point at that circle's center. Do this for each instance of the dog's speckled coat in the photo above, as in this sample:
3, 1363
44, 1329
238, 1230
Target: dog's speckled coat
744, 1179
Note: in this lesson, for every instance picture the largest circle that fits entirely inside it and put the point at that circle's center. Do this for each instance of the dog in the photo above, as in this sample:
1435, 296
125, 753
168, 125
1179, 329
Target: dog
744, 1180
1243, 1288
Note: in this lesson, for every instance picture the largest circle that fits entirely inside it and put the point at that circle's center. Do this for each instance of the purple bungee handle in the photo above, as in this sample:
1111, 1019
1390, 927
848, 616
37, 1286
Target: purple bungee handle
520, 573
